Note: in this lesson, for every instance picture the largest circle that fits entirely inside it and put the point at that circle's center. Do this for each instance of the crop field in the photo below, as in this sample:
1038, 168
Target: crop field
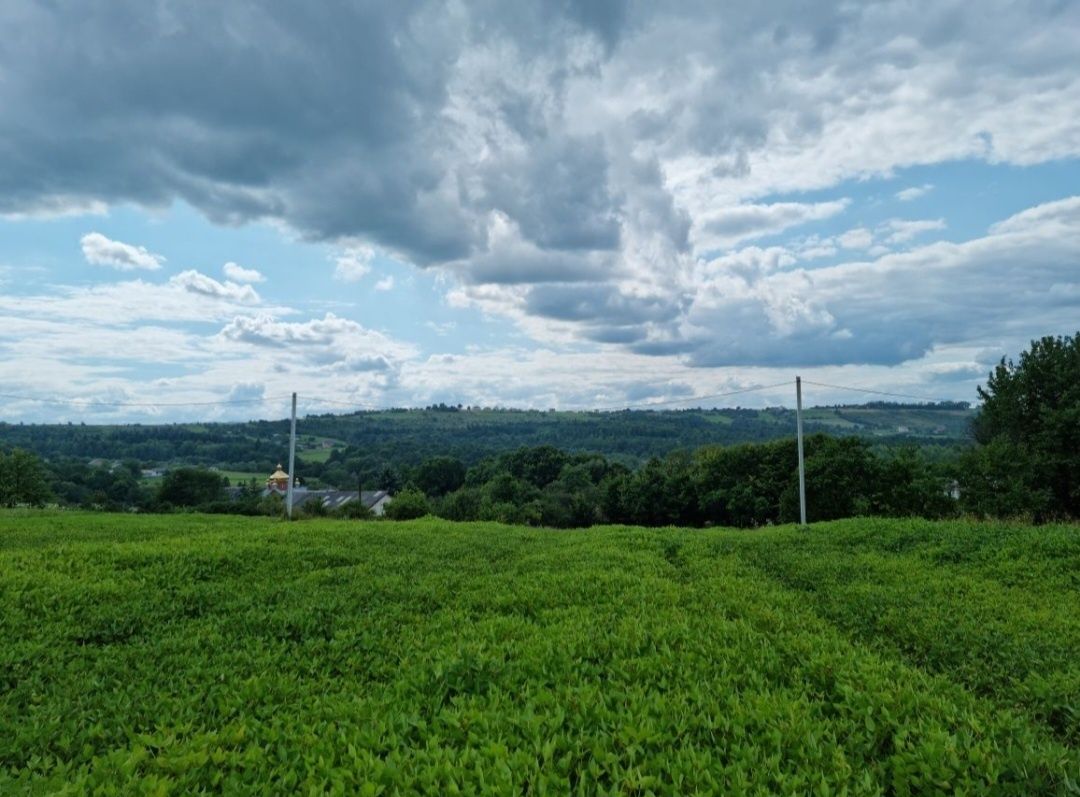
174, 654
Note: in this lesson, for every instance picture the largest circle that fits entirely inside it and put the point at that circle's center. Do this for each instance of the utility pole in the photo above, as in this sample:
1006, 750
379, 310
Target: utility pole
802, 464
292, 458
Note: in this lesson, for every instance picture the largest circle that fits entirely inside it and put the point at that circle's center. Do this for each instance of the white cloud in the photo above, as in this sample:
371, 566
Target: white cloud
102, 251
728, 226
1020, 281
330, 342
902, 230
385, 284
136, 301
914, 192
858, 238
441, 329
1053, 218
238, 273
199, 283
353, 264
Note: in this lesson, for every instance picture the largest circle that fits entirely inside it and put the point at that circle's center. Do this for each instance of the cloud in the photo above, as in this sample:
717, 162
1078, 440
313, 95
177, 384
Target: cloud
56, 207
639, 131
732, 225
1020, 280
441, 329
238, 273
353, 264
188, 298
385, 284
765, 307
247, 392
330, 342
595, 174
101, 251
900, 231
195, 282
510, 259
858, 238
914, 192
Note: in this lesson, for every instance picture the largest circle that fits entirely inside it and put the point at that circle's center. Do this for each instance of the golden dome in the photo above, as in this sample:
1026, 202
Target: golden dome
278, 475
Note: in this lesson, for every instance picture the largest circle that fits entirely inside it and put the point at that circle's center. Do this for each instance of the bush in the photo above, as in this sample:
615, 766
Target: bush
408, 505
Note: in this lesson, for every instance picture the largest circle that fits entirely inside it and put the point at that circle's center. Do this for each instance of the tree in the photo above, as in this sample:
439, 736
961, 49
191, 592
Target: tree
843, 479
1001, 479
191, 487
1031, 415
388, 479
539, 466
440, 475
22, 479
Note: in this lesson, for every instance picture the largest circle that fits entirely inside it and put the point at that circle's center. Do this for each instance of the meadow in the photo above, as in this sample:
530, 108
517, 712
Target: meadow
173, 654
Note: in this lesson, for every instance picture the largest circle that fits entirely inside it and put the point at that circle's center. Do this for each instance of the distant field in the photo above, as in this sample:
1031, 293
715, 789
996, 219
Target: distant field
239, 477
315, 454
186, 653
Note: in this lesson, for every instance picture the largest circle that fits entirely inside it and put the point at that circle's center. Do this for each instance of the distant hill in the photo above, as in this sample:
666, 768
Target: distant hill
332, 446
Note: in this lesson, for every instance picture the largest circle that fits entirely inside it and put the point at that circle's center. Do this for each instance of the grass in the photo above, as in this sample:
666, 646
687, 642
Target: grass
315, 454
185, 653
238, 478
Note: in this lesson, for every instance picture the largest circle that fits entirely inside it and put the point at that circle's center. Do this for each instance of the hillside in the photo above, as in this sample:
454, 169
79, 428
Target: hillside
407, 437
245, 655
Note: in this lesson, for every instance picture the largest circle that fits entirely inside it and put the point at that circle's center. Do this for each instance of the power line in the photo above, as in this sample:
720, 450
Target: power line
878, 392
649, 405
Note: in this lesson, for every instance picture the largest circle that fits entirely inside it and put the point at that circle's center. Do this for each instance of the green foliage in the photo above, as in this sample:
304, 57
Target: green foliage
383, 448
408, 505
1029, 426
388, 479
1003, 479
196, 654
440, 475
22, 479
191, 487
748, 485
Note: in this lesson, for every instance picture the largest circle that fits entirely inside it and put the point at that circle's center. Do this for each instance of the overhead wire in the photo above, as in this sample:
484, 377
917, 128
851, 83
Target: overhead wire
709, 397
877, 392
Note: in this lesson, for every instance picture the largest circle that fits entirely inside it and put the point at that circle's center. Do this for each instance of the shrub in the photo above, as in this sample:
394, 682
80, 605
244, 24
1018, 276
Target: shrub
408, 505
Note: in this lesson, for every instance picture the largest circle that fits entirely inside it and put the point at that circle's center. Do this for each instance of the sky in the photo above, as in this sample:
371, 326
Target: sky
207, 207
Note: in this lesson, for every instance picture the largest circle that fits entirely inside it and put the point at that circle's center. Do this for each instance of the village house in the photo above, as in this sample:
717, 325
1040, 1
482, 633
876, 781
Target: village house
373, 500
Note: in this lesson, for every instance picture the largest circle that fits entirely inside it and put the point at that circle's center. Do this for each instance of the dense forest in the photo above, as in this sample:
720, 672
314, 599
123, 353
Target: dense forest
340, 450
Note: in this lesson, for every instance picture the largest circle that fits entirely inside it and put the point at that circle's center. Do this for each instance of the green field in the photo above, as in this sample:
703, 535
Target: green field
174, 654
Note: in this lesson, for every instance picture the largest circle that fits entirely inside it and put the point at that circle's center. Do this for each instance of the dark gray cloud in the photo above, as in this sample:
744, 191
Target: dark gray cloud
331, 117
558, 192
598, 303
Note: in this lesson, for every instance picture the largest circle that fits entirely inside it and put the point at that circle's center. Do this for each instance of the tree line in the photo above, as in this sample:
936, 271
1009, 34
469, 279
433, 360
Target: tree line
1025, 461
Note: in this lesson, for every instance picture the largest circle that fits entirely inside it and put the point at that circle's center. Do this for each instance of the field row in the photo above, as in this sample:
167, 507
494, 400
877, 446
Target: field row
180, 653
